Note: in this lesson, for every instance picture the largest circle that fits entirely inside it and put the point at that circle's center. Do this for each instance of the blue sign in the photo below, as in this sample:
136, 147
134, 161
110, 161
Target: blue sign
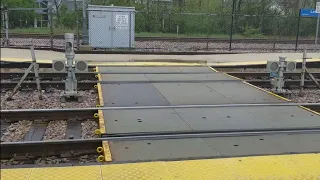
273, 74
308, 13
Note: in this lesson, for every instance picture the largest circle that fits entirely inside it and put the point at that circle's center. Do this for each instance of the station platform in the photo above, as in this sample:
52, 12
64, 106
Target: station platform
302, 166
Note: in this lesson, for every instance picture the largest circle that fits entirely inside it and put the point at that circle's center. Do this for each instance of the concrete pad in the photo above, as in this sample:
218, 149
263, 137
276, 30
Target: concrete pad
239, 92
132, 95
196, 69
221, 118
176, 149
118, 69
123, 77
266, 145
159, 69
187, 77
152, 120
152, 150
286, 117
190, 93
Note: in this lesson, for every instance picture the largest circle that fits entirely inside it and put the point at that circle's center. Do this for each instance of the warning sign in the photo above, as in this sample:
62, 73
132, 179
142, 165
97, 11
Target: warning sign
122, 21
318, 7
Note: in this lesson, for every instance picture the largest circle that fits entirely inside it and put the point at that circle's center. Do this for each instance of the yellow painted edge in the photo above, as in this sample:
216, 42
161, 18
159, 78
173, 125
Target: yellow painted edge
105, 144
101, 102
101, 122
213, 69
217, 64
242, 80
292, 166
98, 63
273, 94
305, 108
106, 151
244, 63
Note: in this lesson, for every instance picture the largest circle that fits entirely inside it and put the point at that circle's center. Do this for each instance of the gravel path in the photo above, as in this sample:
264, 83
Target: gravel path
51, 99
16, 131
88, 128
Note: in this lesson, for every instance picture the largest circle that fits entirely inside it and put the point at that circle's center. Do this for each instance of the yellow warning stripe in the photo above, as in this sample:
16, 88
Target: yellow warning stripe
105, 144
101, 63
248, 63
261, 89
298, 166
167, 62
106, 151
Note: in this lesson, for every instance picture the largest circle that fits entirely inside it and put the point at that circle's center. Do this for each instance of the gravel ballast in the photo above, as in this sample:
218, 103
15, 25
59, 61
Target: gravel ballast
309, 96
16, 131
88, 129
52, 160
56, 130
51, 99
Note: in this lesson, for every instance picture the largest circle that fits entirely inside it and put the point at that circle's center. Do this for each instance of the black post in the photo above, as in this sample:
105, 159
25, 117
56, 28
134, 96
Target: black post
298, 30
77, 23
231, 27
51, 27
275, 30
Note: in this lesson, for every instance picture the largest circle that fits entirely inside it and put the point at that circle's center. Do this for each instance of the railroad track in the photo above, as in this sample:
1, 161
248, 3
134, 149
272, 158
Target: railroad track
9, 116
88, 85
174, 39
71, 148
38, 121
91, 75
21, 65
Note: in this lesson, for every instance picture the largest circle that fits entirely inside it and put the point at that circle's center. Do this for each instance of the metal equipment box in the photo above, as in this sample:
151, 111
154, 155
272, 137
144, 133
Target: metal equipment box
111, 26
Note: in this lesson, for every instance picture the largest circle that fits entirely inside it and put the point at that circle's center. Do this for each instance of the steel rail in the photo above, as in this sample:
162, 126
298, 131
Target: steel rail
4, 113
87, 85
8, 64
91, 75
84, 75
74, 147
266, 74
46, 114
174, 135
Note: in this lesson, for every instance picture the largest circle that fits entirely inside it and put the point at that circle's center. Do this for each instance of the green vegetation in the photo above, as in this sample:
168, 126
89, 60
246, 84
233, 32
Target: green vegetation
210, 18
42, 30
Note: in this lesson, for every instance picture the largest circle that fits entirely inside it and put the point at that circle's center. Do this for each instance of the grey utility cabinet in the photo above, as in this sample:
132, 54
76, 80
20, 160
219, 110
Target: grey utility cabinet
111, 26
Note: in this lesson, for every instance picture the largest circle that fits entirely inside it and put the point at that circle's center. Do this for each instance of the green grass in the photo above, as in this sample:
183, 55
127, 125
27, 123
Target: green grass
43, 30
222, 36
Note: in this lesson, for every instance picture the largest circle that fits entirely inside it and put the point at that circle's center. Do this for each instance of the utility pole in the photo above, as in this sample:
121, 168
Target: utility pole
85, 39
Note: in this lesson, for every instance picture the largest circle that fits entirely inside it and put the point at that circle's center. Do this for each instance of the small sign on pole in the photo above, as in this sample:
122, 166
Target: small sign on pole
318, 7
317, 28
308, 13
